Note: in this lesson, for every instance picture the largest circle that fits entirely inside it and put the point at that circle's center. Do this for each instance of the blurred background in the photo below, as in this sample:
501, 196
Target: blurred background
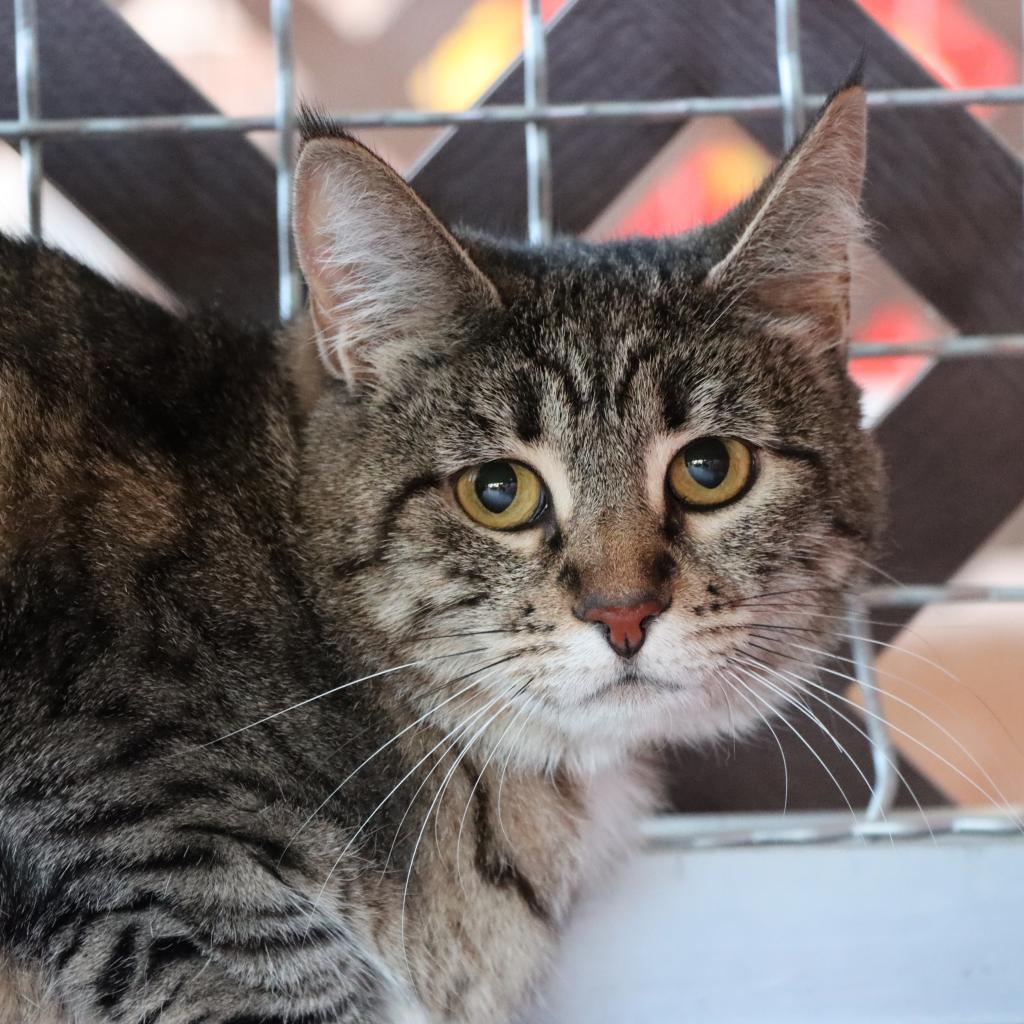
961, 665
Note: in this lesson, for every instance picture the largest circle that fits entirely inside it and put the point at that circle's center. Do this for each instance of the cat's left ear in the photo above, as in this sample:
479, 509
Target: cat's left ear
386, 279
789, 258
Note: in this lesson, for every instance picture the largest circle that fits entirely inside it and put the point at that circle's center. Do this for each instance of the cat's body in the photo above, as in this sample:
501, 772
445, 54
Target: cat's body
284, 735
152, 603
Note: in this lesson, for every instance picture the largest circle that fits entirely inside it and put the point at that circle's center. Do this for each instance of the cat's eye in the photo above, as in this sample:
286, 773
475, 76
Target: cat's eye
710, 471
502, 495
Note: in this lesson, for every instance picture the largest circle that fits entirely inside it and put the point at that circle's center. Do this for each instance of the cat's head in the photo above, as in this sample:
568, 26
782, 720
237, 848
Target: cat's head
594, 496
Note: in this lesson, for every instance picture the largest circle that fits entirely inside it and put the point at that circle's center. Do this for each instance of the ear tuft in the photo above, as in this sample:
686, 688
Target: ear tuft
854, 79
791, 258
314, 122
387, 281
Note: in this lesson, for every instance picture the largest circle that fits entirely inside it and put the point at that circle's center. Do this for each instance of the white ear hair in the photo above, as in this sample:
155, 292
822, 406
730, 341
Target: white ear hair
385, 277
792, 256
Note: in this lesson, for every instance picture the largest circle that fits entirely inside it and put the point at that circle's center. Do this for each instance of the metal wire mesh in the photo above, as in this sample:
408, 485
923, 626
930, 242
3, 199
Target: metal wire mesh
536, 114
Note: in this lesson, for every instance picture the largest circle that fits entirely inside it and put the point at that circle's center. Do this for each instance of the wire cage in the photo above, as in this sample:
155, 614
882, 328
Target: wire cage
537, 115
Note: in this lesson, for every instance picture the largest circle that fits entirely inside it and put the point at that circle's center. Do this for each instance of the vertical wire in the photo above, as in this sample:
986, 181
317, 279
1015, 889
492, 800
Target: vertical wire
284, 120
791, 76
26, 56
883, 754
538, 144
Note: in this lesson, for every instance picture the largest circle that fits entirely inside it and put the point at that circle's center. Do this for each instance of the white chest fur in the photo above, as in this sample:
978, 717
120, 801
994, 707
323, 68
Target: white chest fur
615, 800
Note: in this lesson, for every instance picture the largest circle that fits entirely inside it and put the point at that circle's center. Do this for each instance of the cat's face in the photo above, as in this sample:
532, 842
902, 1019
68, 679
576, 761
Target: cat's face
603, 495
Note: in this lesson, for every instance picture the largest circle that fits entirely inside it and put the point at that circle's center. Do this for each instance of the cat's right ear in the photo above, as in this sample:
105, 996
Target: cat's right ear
789, 244
386, 279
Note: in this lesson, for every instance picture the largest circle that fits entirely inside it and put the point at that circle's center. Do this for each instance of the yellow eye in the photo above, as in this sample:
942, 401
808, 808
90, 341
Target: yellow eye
710, 471
502, 495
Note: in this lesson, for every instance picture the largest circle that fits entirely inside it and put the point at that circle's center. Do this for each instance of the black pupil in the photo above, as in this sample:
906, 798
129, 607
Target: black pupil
496, 485
708, 462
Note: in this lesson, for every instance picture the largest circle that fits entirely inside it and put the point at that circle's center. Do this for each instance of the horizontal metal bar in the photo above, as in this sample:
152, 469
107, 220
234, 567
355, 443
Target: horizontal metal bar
914, 595
942, 348
161, 124
939, 97
648, 110
692, 832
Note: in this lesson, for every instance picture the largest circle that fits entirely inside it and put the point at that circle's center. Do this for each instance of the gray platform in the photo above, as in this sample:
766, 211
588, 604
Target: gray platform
862, 931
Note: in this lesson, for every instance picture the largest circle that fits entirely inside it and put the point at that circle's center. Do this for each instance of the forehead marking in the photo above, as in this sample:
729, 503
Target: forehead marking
531, 387
396, 502
634, 361
674, 406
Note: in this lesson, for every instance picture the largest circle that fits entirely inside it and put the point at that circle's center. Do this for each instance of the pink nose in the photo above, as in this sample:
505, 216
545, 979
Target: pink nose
625, 626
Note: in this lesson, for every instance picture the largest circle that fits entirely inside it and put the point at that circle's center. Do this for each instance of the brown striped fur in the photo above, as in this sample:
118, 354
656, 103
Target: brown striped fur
285, 736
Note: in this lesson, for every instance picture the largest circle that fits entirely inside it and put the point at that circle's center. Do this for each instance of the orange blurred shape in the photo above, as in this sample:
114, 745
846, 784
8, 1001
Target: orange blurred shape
469, 57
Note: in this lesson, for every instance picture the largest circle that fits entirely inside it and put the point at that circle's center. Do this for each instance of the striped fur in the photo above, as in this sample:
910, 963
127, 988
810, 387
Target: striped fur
284, 736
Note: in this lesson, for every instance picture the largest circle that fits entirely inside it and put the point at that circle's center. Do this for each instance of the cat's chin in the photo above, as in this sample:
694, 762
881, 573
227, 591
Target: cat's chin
640, 711
631, 684
628, 714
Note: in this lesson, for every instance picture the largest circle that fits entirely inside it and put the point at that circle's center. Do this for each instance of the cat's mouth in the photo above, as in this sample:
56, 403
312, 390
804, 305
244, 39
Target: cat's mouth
630, 681
629, 676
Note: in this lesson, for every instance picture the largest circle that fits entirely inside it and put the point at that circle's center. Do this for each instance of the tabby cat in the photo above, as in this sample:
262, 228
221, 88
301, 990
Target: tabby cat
328, 671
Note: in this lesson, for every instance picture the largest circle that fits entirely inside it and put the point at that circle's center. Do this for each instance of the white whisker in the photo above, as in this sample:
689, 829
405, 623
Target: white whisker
795, 678
453, 736
878, 671
398, 735
998, 799
480, 775
395, 788
916, 710
337, 689
435, 803
792, 728
508, 758
775, 736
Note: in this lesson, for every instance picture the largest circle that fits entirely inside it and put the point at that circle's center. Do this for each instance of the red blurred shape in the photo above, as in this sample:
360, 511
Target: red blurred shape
890, 322
953, 45
549, 8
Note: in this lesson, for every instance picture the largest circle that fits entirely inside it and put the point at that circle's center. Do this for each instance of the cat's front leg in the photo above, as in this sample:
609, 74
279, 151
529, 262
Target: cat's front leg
145, 967
196, 927
24, 999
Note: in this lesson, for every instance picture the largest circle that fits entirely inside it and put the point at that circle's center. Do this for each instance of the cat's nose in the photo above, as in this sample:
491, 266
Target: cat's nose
625, 625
